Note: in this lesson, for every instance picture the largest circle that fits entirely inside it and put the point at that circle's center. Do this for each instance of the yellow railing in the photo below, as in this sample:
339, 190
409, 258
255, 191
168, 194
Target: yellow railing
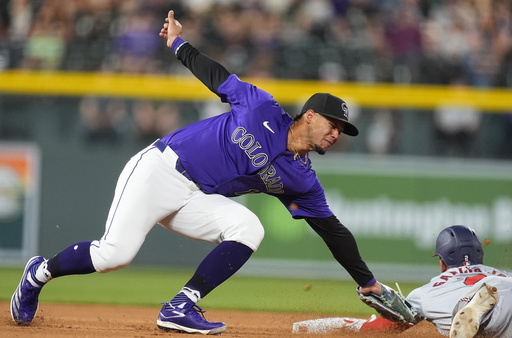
287, 92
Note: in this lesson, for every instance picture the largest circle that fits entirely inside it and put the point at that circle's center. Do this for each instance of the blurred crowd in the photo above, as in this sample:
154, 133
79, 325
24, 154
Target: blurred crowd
411, 41
450, 42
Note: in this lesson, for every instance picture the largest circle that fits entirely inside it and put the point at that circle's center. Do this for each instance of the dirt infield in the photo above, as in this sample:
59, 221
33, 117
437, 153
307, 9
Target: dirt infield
78, 320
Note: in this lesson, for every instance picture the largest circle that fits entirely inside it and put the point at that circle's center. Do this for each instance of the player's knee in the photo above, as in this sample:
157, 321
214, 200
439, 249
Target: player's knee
247, 230
113, 267
258, 235
108, 264
107, 257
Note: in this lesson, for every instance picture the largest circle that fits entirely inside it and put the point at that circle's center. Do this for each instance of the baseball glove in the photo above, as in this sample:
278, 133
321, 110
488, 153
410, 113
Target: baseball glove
390, 305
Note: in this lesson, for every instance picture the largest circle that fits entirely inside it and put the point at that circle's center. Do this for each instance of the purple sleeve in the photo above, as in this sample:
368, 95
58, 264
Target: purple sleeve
242, 94
309, 204
176, 44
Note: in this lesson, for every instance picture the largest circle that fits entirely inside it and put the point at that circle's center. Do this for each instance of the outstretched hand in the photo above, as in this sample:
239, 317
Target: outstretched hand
171, 30
375, 288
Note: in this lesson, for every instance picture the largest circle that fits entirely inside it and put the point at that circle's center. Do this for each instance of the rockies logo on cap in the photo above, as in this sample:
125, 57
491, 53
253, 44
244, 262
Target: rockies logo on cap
345, 109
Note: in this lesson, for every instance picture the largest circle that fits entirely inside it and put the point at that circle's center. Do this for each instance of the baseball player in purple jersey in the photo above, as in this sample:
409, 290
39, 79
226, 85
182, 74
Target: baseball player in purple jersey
183, 182
466, 299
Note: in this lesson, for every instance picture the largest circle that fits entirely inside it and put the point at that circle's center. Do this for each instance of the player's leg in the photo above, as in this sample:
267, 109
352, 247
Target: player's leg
148, 189
146, 194
25, 301
467, 320
220, 220
498, 322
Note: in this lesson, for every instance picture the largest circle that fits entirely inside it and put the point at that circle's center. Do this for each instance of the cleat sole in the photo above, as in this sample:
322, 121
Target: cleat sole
466, 322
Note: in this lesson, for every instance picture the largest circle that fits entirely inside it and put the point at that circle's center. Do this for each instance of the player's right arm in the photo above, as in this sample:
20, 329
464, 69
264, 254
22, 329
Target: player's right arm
209, 72
343, 247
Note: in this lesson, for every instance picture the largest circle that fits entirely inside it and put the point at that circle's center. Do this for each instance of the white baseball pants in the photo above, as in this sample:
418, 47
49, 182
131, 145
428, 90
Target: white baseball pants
151, 191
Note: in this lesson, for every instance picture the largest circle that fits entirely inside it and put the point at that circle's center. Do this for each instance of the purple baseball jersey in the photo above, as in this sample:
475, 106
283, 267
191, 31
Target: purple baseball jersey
244, 151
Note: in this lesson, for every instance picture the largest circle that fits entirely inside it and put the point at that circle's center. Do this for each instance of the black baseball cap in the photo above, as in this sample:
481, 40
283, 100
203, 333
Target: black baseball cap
330, 106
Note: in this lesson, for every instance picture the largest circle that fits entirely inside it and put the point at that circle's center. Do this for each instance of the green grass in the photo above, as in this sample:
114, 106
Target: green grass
152, 286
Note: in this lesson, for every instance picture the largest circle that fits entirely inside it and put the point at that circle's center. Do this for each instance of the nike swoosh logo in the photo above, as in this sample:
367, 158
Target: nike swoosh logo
176, 315
265, 124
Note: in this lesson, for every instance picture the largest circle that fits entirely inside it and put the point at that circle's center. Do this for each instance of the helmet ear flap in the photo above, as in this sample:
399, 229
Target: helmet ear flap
459, 245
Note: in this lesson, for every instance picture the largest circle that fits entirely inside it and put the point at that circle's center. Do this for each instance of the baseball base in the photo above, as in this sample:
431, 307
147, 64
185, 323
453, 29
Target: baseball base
329, 325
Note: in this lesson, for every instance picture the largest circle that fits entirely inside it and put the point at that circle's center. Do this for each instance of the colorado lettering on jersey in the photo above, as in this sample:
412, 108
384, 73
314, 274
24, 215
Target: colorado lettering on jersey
247, 142
271, 182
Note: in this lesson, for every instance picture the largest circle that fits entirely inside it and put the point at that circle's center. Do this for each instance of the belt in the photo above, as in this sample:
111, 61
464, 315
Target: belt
183, 171
160, 145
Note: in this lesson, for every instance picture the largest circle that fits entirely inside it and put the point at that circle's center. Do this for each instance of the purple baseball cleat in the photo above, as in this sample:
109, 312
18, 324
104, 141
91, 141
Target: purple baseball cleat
187, 318
25, 300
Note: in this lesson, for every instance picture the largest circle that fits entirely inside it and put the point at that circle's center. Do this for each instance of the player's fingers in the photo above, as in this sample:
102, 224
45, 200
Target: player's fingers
170, 19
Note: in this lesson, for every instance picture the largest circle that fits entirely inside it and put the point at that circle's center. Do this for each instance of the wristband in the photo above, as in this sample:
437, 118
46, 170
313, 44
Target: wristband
370, 283
176, 44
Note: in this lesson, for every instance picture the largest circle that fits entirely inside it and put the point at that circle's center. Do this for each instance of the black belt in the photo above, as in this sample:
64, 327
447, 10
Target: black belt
160, 145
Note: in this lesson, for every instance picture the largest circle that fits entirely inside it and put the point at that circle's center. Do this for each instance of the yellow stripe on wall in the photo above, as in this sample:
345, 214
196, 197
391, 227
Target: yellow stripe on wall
287, 92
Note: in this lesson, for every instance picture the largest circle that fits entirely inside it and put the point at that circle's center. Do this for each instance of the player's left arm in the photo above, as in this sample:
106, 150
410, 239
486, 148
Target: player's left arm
211, 73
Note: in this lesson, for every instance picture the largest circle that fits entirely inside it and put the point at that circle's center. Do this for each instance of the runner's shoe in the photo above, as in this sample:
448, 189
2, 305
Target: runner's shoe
25, 300
187, 318
467, 321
